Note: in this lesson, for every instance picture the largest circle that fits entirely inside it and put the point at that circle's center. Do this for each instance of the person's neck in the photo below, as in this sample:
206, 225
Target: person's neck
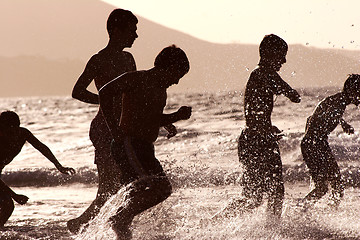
115, 46
345, 98
158, 74
266, 64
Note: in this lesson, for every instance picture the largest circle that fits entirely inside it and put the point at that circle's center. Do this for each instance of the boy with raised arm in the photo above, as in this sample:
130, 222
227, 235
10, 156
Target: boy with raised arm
315, 147
143, 100
12, 139
258, 148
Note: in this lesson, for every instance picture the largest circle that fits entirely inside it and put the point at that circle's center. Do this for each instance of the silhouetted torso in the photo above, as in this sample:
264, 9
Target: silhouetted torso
326, 116
11, 145
142, 108
261, 87
110, 65
107, 66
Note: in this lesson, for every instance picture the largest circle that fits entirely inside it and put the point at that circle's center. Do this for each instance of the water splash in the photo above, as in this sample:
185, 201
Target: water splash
99, 228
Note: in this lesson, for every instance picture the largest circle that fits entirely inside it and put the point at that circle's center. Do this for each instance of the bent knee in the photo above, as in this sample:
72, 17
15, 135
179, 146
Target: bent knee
165, 188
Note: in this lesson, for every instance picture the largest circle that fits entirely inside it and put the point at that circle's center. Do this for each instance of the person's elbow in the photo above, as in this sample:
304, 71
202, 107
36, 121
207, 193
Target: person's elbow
76, 93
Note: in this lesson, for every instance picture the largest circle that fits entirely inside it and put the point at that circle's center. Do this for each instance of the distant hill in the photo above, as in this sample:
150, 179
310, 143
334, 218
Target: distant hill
45, 46
37, 76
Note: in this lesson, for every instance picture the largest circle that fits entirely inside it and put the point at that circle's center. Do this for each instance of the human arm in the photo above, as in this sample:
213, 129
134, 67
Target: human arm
278, 134
183, 113
21, 199
45, 151
172, 131
347, 128
168, 119
282, 87
80, 91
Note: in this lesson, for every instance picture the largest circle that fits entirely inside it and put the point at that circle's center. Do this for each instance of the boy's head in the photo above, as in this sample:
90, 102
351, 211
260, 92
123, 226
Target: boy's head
352, 88
273, 50
174, 61
124, 23
9, 119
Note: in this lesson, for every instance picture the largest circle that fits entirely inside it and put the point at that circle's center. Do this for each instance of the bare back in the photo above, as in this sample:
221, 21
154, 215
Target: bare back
11, 145
326, 116
142, 109
102, 68
108, 66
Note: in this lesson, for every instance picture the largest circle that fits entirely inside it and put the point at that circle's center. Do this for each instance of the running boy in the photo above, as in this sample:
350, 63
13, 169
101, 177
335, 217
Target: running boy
258, 148
315, 147
109, 63
12, 139
143, 100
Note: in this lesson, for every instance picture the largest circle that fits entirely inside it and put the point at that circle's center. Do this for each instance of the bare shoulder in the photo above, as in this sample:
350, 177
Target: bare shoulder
25, 133
134, 80
331, 100
96, 59
128, 54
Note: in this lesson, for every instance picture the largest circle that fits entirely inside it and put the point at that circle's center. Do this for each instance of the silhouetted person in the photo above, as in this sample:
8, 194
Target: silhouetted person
12, 139
315, 147
109, 63
144, 98
258, 148
7, 195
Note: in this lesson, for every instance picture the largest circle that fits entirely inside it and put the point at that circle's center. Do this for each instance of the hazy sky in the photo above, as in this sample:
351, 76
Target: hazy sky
320, 23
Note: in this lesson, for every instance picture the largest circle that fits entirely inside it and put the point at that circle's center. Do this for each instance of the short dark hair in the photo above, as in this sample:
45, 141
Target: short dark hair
271, 45
120, 18
173, 56
352, 84
9, 119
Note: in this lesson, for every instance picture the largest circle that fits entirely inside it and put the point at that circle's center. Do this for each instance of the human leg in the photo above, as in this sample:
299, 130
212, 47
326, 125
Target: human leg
315, 152
145, 192
274, 181
6, 208
335, 180
109, 182
252, 180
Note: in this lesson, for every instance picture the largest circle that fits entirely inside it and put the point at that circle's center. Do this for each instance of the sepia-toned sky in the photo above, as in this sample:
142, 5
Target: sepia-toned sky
318, 23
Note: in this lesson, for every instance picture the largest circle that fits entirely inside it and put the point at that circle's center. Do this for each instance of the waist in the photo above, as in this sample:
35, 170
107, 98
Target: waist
148, 135
315, 134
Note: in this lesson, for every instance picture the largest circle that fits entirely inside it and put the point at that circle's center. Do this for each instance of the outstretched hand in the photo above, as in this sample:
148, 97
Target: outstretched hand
184, 112
21, 199
277, 132
66, 170
347, 128
172, 131
294, 96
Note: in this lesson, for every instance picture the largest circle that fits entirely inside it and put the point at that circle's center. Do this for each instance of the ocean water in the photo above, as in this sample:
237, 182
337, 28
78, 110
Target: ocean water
201, 161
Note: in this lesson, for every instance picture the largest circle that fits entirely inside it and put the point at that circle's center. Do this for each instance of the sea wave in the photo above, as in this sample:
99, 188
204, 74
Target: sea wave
46, 177
179, 177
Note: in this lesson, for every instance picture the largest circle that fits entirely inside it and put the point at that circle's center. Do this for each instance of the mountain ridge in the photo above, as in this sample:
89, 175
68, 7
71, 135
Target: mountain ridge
75, 30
